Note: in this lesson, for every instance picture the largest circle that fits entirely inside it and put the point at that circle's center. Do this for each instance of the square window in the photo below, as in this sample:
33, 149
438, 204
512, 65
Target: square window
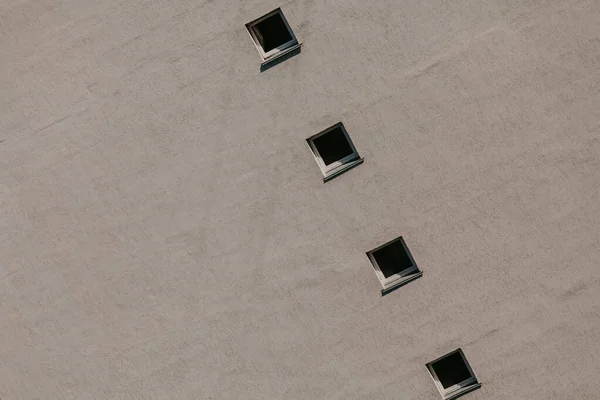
334, 151
272, 35
393, 264
453, 375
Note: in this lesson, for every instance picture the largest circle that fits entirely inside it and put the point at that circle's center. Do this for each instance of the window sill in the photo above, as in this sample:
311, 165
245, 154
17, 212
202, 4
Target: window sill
460, 392
343, 168
281, 56
389, 286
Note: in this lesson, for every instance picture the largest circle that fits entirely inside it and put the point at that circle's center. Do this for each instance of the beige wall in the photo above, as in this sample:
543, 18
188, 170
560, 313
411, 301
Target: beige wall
166, 234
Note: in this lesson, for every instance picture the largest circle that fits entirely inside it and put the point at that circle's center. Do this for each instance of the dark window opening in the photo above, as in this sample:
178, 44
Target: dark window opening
272, 32
333, 146
392, 259
451, 370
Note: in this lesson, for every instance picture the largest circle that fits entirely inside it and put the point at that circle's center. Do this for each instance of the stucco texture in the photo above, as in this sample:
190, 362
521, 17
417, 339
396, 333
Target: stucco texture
166, 232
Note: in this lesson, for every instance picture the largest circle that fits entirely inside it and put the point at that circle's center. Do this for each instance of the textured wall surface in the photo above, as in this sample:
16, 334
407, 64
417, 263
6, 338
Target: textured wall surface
166, 233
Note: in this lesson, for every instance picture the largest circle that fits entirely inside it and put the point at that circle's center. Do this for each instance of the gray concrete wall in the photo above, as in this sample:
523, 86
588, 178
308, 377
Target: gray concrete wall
166, 234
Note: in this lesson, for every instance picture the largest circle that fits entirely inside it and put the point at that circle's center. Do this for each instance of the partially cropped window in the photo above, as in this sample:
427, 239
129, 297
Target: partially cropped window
393, 264
334, 151
272, 35
453, 375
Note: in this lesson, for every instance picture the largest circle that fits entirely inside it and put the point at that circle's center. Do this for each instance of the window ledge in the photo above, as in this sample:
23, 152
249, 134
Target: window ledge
389, 286
271, 60
460, 392
343, 168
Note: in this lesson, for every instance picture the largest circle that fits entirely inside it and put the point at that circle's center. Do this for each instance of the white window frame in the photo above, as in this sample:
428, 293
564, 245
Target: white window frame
333, 168
402, 276
458, 389
273, 52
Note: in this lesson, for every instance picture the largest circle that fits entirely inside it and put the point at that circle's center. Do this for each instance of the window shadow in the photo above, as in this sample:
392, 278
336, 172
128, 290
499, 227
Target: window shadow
276, 61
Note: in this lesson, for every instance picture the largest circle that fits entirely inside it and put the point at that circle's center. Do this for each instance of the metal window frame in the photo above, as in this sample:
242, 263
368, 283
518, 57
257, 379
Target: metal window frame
341, 165
458, 389
273, 53
399, 278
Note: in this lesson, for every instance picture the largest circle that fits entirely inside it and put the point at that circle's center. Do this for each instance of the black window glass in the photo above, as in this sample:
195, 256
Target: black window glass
451, 370
392, 259
333, 146
272, 32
